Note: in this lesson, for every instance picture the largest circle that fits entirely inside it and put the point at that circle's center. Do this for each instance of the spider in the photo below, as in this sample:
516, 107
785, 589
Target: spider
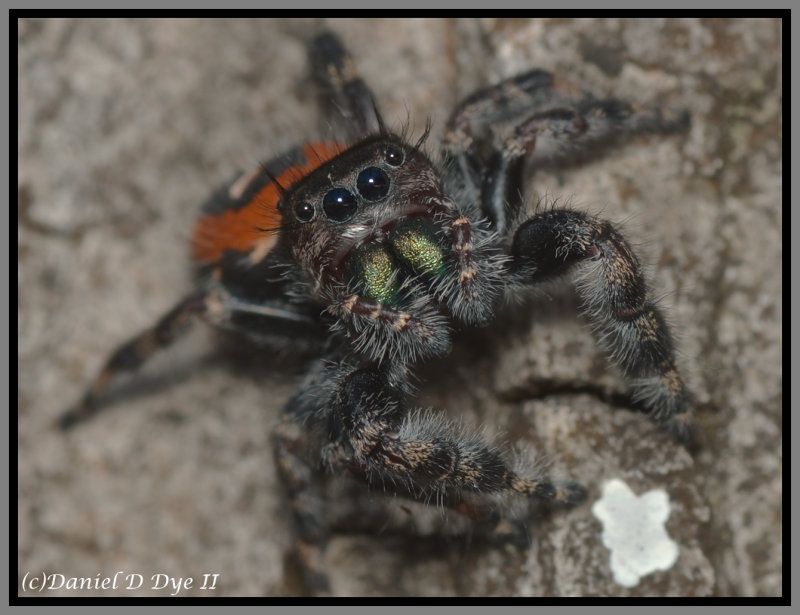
372, 252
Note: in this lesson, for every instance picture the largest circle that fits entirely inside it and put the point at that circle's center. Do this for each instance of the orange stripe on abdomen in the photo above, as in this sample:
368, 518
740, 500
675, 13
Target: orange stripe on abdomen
253, 227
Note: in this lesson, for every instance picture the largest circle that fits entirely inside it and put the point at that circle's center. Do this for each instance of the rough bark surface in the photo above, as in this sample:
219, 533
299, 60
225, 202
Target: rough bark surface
126, 126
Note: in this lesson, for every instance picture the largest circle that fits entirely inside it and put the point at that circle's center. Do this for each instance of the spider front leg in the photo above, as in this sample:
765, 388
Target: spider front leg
468, 131
422, 453
334, 69
353, 418
617, 303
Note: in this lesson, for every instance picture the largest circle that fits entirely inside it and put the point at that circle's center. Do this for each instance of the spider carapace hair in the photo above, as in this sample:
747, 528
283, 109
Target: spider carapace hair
374, 252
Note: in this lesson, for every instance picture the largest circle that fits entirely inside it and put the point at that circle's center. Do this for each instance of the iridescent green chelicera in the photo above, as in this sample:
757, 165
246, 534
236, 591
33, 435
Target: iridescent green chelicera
414, 243
411, 245
373, 265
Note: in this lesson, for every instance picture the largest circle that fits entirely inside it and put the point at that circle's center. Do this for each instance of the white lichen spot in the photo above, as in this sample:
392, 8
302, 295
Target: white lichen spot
633, 530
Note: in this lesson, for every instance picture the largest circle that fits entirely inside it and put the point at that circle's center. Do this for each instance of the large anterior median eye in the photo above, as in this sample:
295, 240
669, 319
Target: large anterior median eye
372, 183
339, 204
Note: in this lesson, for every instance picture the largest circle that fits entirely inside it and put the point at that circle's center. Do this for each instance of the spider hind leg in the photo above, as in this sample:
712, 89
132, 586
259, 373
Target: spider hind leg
133, 354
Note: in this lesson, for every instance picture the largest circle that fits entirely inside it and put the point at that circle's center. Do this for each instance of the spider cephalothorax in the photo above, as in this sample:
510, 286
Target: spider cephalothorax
388, 251
373, 253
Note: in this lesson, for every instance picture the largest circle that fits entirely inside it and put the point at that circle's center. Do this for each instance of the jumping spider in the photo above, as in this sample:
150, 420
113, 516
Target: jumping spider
372, 251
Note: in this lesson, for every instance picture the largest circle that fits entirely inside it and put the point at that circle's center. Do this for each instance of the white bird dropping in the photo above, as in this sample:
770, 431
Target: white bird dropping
633, 530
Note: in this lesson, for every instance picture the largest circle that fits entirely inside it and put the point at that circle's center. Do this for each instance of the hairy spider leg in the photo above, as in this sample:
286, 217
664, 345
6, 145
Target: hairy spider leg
370, 433
215, 306
562, 126
616, 301
392, 445
468, 131
299, 480
132, 354
334, 69
381, 331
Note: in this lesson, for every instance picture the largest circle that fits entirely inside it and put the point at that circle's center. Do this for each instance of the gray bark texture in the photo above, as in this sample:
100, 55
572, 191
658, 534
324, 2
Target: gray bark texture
126, 126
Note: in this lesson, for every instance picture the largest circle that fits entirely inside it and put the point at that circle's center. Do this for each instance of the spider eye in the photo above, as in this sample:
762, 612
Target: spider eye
339, 204
372, 183
304, 211
394, 156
